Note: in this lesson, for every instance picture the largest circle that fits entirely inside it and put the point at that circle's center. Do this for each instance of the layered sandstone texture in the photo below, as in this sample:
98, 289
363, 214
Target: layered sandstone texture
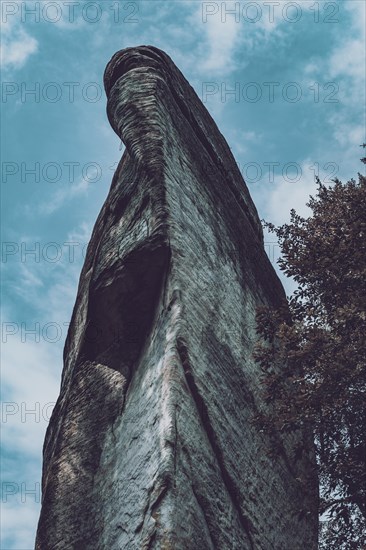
151, 444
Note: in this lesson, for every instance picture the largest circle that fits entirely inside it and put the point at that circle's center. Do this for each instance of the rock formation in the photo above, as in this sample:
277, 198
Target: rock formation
151, 444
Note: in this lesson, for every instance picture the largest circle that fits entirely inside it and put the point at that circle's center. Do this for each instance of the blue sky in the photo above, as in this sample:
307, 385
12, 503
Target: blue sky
296, 71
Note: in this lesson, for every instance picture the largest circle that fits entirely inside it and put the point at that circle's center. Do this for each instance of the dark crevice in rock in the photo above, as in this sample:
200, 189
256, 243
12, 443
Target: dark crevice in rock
175, 444
163, 491
151, 509
204, 514
151, 541
203, 413
145, 510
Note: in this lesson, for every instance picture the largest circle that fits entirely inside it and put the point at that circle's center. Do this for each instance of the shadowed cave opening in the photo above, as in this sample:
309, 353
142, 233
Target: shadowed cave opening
122, 308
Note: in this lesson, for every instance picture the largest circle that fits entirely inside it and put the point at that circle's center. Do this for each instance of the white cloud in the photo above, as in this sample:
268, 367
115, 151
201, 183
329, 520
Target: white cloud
241, 141
16, 48
344, 71
17, 45
46, 279
226, 29
66, 193
221, 39
22, 533
28, 278
357, 10
349, 59
285, 195
31, 372
32, 383
345, 65
218, 36
346, 133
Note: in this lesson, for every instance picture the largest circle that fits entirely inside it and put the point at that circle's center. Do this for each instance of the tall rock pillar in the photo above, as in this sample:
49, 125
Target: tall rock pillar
151, 443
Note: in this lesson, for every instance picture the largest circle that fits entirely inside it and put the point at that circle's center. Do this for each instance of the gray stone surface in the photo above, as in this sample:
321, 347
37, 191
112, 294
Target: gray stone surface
151, 444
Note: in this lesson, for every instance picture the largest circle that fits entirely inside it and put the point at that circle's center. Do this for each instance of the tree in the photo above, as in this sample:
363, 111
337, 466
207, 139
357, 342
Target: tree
313, 353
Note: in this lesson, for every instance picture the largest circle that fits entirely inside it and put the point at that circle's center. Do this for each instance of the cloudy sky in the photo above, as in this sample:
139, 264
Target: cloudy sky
285, 83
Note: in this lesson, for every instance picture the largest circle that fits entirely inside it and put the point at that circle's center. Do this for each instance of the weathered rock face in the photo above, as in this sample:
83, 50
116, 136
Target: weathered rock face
151, 444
